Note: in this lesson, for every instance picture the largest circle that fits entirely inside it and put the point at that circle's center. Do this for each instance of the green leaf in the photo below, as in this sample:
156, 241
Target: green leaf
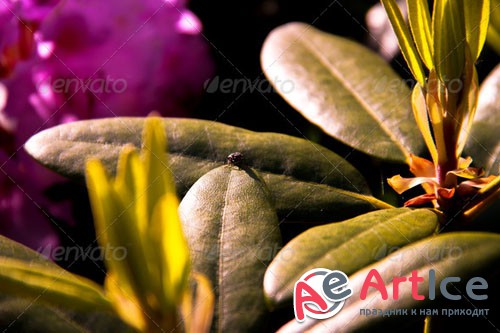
17, 315
420, 23
306, 180
493, 35
344, 88
232, 230
21, 315
113, 223
405, 40
461, 254
483, 144
420, 113
31, 312
159, 179
347, 246
449, 39
171, 242
51, 285
477, 17
27, 274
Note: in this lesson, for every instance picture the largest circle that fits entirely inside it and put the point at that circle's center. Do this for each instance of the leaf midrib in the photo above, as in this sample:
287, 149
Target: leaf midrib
342, 80
346, 192
349, 241
220, 280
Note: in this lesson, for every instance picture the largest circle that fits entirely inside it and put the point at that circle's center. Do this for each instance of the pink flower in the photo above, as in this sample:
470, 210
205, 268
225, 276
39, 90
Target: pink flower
24, 210
67, 60
127, 58
18, 20
26, 214
23, 207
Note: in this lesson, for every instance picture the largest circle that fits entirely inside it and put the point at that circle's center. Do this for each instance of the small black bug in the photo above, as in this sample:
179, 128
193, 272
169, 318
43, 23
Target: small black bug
235, 158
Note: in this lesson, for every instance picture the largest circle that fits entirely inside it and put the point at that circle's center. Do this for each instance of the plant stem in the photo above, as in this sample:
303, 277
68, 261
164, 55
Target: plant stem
427, 324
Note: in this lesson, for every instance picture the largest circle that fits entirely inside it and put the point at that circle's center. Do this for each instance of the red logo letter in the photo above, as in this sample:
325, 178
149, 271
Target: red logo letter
379, 284
300, 299
415, 279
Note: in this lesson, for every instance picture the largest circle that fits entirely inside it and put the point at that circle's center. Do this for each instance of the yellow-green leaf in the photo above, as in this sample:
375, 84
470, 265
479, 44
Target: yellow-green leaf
468, 106
435, 109
51, 284
117, 227
22, 314
493, 37
159, 179
477, 16
420, 23
133, 168
131, 184
449, 39
420, 112
173, 248
138, 211
105, 212
405, 40
140, 259
125, 304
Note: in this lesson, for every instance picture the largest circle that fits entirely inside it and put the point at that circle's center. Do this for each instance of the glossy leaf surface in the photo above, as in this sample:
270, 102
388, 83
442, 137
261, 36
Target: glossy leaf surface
347, 90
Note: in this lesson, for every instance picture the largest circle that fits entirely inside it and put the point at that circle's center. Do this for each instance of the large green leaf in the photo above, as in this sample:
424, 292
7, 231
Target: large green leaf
24, 272
51, 284
24, 315
18, 315
464, 255
31, 312
232, 230
306, 180
344, 88
483, 144
347, 246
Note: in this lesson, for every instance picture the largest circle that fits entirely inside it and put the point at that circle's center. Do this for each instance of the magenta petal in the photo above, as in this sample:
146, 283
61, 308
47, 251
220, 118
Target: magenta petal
90, 59
101, 64
24, 222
